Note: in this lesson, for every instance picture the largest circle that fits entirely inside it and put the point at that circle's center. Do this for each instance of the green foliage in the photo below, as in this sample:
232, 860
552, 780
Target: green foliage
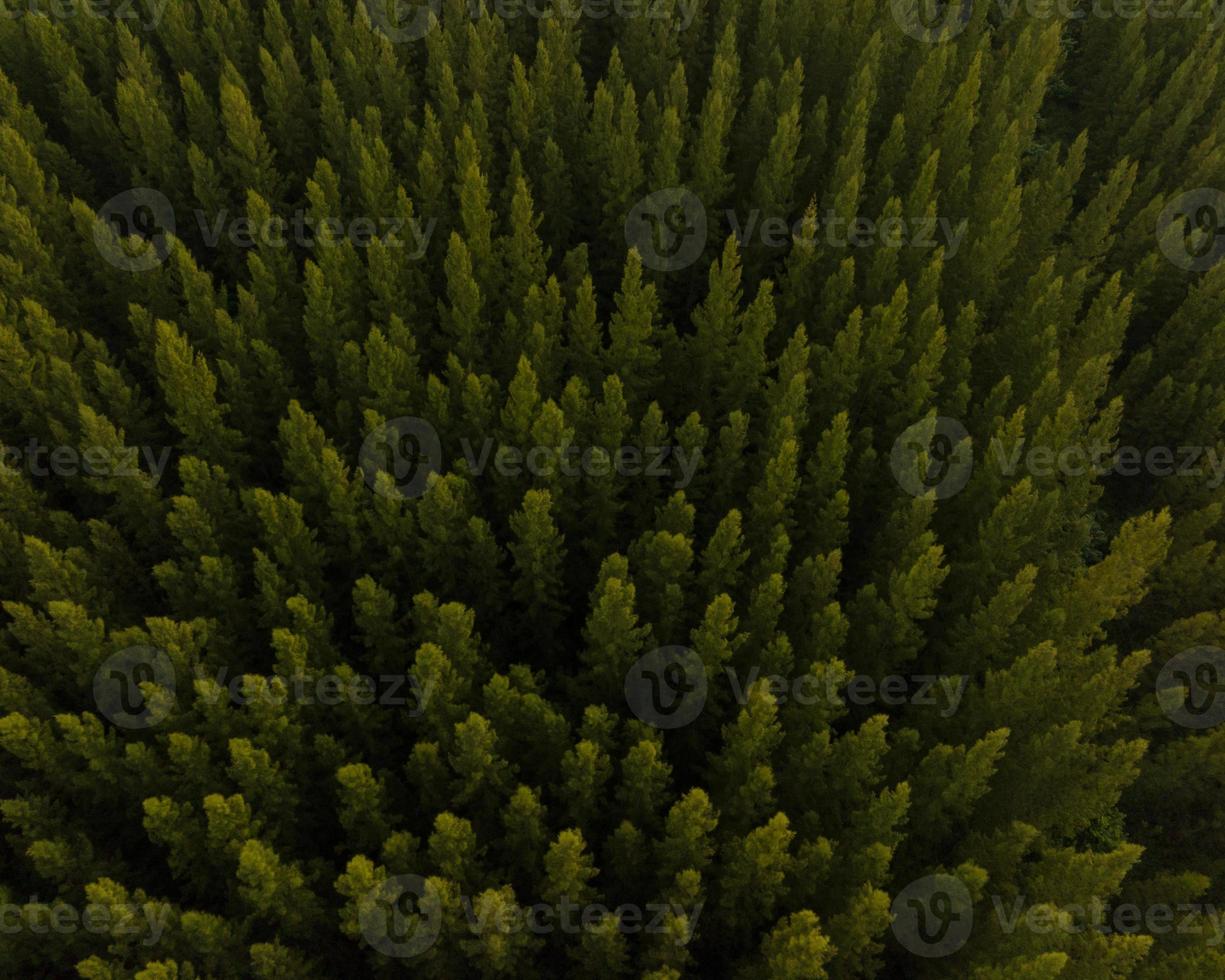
360, 453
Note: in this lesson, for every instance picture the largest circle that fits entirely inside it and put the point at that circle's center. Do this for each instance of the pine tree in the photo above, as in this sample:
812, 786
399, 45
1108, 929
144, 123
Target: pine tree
815, 504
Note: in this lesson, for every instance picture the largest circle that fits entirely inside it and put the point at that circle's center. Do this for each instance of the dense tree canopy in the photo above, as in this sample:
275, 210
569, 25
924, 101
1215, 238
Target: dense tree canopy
656, 489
